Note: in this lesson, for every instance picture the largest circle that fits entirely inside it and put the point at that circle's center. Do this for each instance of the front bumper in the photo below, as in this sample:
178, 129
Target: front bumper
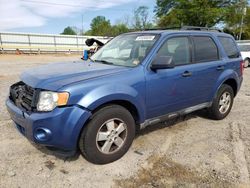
59, 128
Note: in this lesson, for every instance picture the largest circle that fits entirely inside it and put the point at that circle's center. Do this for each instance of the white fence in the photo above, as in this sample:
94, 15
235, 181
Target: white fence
43, 43
48, 43
243, 42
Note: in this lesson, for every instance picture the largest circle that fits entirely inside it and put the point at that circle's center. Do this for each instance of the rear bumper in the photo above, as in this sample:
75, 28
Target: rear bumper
59, 128
239, 83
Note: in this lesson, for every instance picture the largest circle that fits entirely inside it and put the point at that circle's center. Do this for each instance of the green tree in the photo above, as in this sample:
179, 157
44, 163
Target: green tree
88, 33
202, 13
233, 19
119, 29
68, 31
141, 19
100, 26
170, 20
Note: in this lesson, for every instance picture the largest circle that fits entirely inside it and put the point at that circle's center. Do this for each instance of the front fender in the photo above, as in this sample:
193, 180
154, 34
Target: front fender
108, 93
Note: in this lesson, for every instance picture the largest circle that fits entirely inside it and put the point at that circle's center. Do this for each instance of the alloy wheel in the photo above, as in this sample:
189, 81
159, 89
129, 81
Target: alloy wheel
111, 136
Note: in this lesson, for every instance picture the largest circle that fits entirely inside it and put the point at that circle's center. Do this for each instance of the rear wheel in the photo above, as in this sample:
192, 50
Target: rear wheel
246, 63
108, 135
222, 103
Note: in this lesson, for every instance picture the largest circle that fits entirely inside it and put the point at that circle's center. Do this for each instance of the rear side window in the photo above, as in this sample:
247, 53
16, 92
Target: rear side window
230, 47
205, 49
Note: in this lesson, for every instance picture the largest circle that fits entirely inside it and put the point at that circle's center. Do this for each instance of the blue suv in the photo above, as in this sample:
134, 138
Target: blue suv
137, 79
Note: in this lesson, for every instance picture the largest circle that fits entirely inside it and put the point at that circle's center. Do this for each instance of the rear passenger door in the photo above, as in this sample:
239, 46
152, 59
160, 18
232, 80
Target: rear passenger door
208, 66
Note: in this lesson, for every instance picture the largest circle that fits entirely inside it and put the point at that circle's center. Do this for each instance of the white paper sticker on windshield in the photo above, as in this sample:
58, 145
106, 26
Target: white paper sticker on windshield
143, 38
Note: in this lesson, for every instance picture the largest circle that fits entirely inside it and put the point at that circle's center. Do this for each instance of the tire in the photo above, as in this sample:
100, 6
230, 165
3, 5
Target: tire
103, 139
222, 103
246, 63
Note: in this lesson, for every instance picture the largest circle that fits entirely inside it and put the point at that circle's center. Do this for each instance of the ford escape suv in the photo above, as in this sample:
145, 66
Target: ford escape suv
135, 80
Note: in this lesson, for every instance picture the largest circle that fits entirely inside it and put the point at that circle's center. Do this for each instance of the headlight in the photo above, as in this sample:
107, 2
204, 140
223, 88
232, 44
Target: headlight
48, 100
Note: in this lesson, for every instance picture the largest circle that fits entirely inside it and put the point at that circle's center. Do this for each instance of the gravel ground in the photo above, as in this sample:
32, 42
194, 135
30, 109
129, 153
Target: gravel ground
192, 151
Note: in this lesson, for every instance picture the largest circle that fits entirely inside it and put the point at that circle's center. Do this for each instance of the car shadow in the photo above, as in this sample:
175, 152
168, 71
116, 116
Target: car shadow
59, 154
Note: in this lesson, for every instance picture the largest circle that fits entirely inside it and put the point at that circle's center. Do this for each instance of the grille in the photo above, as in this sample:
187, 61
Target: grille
23, 96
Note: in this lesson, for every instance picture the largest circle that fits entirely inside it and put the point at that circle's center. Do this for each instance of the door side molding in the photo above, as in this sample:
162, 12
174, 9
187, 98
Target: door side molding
174, 114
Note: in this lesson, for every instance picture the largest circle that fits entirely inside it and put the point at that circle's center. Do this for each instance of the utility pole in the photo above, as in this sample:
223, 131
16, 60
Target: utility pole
242, 21
82, 25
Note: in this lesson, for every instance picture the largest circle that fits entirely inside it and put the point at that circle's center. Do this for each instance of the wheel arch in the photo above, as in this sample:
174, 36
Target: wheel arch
247, 58
232, 83
125, 104
229, 77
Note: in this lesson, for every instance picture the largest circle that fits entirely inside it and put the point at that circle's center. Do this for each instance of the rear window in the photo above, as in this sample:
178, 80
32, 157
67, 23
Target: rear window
229, 47
205, 49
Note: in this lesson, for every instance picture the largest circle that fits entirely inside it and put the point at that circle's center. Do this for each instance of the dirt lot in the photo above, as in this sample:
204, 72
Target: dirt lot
191, 152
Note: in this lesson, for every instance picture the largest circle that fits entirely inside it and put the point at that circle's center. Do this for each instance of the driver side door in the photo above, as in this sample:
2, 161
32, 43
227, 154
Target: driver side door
170, 90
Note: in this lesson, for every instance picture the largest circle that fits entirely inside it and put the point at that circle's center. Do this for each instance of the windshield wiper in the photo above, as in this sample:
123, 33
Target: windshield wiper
104, 62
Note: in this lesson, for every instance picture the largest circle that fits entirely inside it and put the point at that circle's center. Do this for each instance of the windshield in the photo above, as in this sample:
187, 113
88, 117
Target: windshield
126, 50
244, 48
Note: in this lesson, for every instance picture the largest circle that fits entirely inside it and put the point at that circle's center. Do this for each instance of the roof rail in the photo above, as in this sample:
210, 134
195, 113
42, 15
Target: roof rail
196, 28
157, 28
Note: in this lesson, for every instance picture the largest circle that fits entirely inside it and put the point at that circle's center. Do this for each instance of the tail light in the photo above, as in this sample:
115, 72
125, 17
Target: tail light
241, 67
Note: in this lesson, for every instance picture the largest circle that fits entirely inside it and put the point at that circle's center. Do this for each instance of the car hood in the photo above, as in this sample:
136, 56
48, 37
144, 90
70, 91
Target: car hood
56, 75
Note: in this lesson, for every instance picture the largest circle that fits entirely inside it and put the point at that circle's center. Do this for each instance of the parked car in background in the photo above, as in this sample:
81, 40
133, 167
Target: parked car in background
245, 53
136, 80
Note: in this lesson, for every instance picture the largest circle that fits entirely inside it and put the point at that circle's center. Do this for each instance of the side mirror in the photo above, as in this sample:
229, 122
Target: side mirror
162, 62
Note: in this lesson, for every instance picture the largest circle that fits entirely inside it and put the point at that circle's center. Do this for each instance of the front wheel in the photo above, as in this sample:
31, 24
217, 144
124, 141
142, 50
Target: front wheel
108, 135
222, 103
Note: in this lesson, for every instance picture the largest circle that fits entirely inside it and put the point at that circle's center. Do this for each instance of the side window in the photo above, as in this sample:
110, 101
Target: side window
178, 49
229, 47
205, 49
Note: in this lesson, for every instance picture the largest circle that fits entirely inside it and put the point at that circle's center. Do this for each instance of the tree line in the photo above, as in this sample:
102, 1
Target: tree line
100, 26
233, 16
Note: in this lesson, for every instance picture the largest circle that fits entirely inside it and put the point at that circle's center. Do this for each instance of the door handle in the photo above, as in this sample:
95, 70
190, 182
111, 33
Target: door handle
187, 74
221, 67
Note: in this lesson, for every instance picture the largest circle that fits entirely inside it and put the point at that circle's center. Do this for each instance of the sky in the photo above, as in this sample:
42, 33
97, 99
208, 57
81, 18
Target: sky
52, 16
